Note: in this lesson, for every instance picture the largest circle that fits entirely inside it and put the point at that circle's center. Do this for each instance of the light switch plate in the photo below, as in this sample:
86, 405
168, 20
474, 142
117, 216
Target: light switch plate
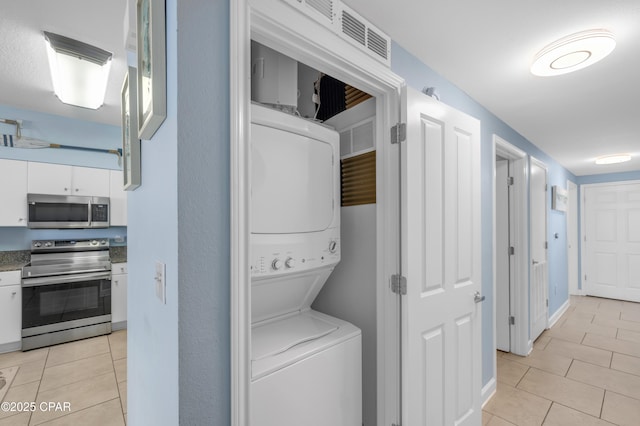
161, 285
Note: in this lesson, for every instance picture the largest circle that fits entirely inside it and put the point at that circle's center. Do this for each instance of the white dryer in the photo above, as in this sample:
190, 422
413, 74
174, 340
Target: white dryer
306, 367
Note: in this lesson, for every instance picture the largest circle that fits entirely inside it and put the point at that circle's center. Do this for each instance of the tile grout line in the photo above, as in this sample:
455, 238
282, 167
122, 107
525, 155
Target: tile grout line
46, 358
118, 383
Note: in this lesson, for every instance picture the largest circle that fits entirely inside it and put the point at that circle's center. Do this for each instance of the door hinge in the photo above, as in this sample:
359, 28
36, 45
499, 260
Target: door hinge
546, 187
510, 180
547, 303
398, 284
546, 245
585, 277
512, 251
512, 320
399, 133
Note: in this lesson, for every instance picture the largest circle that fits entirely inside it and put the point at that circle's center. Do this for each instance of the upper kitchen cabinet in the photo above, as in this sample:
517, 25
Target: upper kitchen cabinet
13, 193
118, 199
45, 178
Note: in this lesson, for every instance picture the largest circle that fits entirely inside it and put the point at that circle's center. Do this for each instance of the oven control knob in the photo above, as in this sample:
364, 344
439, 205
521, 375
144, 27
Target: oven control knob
94, 242
103, 242
276, 264
37, 244
48, 244
333, 246
290, 263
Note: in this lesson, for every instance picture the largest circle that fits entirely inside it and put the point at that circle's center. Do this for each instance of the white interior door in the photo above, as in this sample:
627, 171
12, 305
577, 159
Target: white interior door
502, 271
539, 272
612, 241
441, 332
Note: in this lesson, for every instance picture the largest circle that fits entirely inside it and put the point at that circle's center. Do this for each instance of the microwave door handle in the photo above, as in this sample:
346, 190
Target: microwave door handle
62, 279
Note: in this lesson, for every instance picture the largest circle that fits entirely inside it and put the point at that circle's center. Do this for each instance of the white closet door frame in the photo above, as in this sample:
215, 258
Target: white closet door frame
280, 26
519, 205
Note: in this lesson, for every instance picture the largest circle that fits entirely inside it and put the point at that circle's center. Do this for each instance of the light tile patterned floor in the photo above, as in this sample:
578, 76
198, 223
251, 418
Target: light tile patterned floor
90, 375
584, 371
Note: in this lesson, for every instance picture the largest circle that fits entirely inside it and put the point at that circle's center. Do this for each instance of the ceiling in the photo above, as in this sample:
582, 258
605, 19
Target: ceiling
25, 81
483, 47
486, 48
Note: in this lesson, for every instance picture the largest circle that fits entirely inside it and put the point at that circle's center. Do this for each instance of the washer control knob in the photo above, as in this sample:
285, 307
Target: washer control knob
290, 262
276, 264
333, 246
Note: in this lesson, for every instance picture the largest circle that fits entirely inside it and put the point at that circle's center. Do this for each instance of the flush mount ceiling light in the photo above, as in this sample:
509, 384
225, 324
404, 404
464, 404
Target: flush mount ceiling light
79, 71
573, 52
613, 159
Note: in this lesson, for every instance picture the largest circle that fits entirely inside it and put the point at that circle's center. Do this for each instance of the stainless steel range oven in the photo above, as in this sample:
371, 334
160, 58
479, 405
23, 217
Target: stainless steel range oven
66, 292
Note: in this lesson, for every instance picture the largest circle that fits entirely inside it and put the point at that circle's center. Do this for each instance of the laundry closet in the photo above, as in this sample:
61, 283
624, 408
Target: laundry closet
298, 98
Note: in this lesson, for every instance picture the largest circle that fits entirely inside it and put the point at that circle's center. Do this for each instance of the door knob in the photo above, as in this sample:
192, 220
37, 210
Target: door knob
535, 262
477, 298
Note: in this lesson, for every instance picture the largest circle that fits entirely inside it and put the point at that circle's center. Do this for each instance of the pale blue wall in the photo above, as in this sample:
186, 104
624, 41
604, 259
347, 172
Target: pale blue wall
418, 75
152, 337
203, 212
609, 177
67, 131
178, 356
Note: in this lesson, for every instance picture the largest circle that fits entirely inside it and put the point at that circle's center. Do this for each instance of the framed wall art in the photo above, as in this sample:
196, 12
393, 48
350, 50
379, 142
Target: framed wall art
152, 68
559, 198
130, 140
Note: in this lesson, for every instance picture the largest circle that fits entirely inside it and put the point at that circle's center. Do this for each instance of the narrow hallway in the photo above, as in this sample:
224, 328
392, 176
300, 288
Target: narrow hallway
585, 370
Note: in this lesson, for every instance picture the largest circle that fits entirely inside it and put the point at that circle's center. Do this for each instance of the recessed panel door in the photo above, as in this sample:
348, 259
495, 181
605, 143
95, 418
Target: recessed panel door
441, 312
538, 236
612, 241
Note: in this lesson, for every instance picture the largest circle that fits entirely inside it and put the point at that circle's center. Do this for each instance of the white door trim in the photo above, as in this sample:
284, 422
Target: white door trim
519, 300
573, 249
280, 26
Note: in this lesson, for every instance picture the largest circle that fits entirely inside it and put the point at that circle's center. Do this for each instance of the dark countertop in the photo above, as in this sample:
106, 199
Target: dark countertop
14, 260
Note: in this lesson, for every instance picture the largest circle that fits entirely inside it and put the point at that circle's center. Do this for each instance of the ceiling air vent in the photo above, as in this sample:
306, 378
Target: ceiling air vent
377, 43
363, 34
349, 25
324, 7
353, 28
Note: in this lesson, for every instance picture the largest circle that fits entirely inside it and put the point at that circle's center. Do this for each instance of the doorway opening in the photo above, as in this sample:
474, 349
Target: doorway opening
511, 248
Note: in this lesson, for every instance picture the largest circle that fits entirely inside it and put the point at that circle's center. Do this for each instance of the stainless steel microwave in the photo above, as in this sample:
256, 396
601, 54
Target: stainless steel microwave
67, 211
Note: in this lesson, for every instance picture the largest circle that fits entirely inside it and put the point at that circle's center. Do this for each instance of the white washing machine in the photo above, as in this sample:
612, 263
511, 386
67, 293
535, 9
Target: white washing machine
306, 367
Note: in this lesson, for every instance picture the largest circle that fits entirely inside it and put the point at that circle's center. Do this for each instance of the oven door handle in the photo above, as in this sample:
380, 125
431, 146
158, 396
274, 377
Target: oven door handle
62, 279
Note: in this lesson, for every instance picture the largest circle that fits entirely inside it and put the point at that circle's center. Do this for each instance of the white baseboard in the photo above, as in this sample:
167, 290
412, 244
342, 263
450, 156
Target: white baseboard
488, 391
556, 316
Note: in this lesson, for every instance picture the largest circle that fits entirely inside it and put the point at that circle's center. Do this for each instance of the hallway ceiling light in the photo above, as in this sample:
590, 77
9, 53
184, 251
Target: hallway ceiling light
79, 71
613, 159
573, 52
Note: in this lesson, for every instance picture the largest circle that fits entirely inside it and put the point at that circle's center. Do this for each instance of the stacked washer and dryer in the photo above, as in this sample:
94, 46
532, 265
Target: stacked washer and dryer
306, 367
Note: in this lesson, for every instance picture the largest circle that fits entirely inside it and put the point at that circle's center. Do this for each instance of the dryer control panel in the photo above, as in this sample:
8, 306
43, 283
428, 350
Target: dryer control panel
288, 253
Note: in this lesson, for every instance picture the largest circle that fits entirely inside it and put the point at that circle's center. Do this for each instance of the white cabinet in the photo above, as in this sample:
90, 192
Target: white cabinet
118, 199
45, 178
119, 279
10, 311
13, 193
